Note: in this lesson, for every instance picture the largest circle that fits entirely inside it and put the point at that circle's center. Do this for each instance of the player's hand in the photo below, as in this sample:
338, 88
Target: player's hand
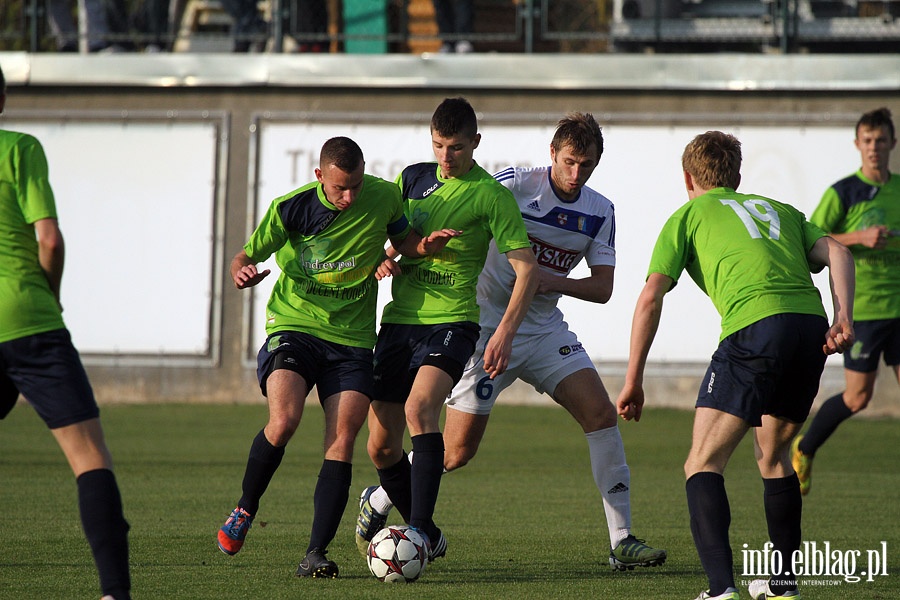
388, 268
630, 403
497, 353
875, 237
546, 282
436, 241
838, 338
248, 276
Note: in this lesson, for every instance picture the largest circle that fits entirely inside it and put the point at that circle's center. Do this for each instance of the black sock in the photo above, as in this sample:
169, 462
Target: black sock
427, 469
106, 530
261, 466
784, 507
397, 482
832, 413
710, 520
329, 502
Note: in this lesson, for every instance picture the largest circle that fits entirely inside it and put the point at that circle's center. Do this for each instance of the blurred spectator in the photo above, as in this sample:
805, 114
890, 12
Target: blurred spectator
455, 20
311, 25
248, 31
64, 29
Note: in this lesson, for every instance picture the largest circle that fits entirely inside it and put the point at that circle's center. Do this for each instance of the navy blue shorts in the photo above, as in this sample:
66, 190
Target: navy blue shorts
874, 338
771, 367
47, 370
402, 349
329, 366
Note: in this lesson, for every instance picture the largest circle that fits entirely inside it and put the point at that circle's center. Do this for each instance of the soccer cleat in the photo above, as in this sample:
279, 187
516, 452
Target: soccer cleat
759, 590
231, 535
802, 464
314, 564
439, 550
632, 552
728, 594
369, 522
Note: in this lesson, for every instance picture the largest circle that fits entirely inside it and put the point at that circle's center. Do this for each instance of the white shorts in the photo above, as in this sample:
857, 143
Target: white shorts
541, 360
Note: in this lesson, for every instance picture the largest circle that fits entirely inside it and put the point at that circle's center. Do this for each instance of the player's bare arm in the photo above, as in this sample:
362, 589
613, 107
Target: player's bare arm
842, 281
644, 325
875, 237
244, 272
499, 347
597, 287
51, 252
415, 245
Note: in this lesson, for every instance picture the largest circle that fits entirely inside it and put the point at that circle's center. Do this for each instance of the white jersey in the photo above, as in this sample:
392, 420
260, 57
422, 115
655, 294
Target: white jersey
561, 233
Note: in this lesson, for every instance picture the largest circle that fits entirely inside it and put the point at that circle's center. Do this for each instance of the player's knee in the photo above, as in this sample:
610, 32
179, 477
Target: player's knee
457, 458
858, 401
280, 431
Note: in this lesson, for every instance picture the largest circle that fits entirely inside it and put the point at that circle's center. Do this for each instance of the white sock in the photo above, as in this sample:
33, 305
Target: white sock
613, 479
380, 501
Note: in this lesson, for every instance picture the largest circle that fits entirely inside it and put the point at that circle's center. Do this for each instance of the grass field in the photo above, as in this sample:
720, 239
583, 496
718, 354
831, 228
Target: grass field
523, 519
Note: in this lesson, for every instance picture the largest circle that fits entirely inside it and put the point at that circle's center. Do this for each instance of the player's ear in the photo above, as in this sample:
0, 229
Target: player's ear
688, 182
476, 140
737, 184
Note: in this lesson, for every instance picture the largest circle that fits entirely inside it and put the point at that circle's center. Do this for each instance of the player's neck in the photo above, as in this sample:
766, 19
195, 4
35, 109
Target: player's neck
878, 174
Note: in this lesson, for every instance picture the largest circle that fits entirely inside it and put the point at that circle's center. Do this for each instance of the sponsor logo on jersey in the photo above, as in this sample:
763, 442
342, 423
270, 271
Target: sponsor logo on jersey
571, 349
536, 205
427, 192
558, 259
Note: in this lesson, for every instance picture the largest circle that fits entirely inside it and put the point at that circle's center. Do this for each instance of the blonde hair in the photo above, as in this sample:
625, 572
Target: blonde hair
714, 160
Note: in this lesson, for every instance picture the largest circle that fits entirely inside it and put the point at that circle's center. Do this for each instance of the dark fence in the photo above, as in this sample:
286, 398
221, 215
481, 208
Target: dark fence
411, 26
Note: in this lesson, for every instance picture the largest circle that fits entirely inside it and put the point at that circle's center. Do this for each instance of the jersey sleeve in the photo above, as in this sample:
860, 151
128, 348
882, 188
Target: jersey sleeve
398, 226
829, 214
35, 194
506, 223
602, 250
269, 236
672, 251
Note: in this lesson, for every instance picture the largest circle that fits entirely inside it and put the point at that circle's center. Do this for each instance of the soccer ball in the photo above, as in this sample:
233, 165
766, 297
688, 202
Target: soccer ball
397, 554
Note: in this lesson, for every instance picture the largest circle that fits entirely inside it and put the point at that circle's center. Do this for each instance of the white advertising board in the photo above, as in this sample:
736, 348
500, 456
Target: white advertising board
136, 207
640, 171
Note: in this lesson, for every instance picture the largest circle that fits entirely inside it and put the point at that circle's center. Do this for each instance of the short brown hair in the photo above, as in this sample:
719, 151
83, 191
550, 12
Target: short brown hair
454, 116
341, 152
876, 119
714, 160
579, 131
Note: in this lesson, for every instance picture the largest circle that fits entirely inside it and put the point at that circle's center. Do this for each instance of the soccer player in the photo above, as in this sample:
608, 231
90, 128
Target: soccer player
566, 222
37, 357
328, 238
430, 328
862, 211
752, 256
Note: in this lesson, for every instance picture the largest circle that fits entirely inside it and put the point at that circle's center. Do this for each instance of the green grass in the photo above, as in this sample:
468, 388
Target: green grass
523, 520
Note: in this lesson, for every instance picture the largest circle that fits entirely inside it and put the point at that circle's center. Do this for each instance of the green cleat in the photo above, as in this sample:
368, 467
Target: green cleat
802, 464
759, 590
729, 594
632, 552
369, 522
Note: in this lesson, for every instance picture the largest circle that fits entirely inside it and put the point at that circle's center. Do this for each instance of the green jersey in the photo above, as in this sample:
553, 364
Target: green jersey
327, 259
27, 304
441, 288
856, 203
746, 252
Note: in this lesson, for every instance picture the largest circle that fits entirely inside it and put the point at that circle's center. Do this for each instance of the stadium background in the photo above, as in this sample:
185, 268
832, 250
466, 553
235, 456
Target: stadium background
162, 162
